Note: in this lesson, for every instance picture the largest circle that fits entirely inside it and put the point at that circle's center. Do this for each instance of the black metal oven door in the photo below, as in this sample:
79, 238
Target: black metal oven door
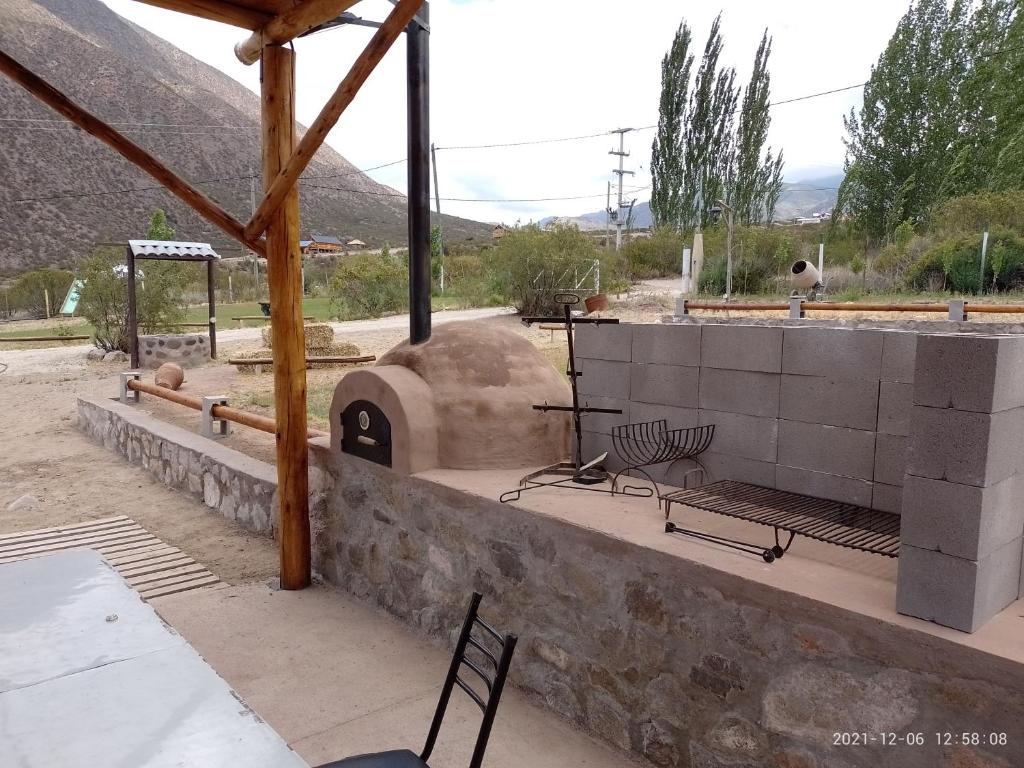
366, 432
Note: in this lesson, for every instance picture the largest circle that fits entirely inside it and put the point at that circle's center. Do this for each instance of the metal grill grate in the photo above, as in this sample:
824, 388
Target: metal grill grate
846, 525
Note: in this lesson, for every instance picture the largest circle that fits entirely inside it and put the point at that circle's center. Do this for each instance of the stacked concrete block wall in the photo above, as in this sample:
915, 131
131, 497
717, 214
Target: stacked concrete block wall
680, 663
237, 486
963, 518
813, 410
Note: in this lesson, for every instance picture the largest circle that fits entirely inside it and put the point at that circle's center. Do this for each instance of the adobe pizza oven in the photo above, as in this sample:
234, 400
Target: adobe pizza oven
461, 400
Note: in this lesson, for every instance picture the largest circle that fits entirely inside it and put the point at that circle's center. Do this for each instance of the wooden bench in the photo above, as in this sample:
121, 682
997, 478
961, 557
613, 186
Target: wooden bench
834, 522
262, 318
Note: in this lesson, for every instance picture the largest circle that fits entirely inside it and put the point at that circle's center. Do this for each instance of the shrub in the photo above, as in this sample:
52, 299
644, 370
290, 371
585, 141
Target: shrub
530, 265
29, 292
970, 214
104, 298
659, 255
369, 285
760, 254
954, 264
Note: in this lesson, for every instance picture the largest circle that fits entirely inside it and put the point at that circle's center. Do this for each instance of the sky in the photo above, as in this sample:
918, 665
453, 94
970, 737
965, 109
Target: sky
507, 71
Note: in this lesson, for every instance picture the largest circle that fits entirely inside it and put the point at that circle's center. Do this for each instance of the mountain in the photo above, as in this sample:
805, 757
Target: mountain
62, 192
802, 198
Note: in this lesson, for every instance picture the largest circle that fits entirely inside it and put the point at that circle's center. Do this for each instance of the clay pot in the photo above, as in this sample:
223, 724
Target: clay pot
596, 303
169, 375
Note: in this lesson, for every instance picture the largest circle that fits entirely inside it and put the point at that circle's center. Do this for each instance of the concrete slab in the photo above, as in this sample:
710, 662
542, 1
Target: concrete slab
663, 384
955, 592
605, 378
747, 437
823, 485
833, 450
970, 372
841, 353
667, 344
360, 682
612, 341
890, 459
836, 402
749, 392
741, 348
962, 520
964, 446
899, 351
895, 401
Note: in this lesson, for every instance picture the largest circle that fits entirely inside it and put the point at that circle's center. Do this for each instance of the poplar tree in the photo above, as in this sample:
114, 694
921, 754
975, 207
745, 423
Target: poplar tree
667, 151
758, 179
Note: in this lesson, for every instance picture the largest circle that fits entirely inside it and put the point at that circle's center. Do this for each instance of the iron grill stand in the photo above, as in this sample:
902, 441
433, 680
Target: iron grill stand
582, 477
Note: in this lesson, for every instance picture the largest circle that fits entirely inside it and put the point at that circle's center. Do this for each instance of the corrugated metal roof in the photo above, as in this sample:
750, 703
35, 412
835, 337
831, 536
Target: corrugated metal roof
170, 249
326, 239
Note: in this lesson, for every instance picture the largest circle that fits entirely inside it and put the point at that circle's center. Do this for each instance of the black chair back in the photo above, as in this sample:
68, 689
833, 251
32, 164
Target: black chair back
482, 650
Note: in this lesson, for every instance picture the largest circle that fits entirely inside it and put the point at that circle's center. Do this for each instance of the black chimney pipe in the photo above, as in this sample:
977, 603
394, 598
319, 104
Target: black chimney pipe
418, 80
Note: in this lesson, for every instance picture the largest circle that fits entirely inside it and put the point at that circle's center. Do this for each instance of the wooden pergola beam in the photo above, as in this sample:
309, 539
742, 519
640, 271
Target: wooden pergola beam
361, 69
289, 25
216, 10
128, 149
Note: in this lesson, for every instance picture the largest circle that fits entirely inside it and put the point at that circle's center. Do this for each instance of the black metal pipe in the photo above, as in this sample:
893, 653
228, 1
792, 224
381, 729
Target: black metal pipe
133, 317
211, 305
418, 81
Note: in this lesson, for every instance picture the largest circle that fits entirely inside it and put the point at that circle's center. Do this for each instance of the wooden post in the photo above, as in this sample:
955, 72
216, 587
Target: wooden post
284, 269
133, 316
211, 301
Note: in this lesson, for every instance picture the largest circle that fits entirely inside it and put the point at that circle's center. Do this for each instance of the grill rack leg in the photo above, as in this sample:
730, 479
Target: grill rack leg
768, 555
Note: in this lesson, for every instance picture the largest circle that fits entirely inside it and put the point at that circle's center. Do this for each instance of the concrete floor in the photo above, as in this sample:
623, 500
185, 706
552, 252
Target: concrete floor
336, 677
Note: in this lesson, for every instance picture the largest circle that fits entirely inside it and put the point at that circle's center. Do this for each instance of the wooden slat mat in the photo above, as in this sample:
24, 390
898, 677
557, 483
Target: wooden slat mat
150, 566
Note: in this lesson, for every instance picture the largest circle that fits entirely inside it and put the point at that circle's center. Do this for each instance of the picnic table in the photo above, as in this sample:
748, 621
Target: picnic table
90, 676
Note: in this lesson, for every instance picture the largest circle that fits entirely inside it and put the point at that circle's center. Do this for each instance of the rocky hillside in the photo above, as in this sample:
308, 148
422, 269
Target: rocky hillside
62, 192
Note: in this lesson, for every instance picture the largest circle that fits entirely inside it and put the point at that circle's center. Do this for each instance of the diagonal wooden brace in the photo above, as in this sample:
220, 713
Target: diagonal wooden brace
328, 117
128, 149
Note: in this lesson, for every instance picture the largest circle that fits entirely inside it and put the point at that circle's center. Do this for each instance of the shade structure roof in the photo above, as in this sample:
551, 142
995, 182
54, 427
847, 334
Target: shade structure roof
250, 14
170, 249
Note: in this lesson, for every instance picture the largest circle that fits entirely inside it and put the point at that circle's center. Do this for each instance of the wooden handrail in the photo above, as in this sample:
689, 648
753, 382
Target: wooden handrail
835, 306
225, 412
16, 339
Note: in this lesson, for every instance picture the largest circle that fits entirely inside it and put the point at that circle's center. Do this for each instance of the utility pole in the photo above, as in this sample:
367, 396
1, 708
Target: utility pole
255, 258
437, 202
622, 154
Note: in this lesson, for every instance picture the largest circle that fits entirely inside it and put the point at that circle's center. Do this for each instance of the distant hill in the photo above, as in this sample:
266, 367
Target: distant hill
802, 198
61, 190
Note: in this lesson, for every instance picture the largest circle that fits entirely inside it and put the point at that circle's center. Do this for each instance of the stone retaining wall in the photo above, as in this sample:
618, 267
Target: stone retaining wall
187, 350
668, 659
241, 488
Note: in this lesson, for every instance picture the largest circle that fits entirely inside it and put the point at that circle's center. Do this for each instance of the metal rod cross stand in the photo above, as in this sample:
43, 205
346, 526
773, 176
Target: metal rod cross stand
582, 477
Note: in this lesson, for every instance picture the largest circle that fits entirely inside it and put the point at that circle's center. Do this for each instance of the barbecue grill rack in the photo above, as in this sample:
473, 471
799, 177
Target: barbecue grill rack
833, 522
646, 443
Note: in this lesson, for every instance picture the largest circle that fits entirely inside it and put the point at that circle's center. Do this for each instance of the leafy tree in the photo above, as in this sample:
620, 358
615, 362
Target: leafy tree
104, 299
758, 180
159, 229
668, 151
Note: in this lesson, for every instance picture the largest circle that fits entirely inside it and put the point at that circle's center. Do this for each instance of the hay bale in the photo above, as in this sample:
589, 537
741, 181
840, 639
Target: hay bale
318, 337
254, 354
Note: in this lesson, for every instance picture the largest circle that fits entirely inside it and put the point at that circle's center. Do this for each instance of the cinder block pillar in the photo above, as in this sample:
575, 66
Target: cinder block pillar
963, 493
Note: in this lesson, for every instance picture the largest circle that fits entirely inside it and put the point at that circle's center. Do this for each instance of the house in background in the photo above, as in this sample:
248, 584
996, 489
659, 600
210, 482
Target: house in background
321, 245
498, 232
355, 245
